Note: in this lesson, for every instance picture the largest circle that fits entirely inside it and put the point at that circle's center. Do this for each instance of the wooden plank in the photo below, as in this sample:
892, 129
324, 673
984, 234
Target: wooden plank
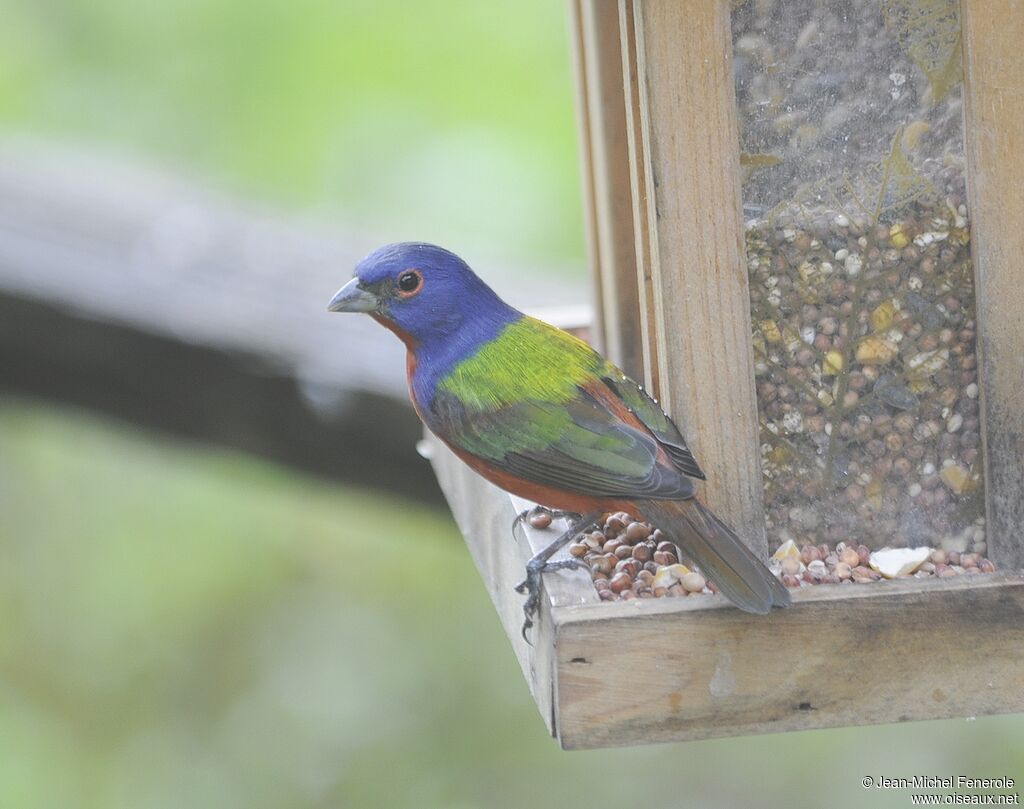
603, 122
661, 670
994, 112
668, 669
484, 514
639, 169
690, 169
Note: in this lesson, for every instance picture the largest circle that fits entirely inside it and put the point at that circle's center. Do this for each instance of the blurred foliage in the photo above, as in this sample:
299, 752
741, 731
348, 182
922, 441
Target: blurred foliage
190, 627
448, 120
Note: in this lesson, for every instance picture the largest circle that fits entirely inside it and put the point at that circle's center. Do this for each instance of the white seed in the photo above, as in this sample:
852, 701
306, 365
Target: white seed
793, 422
931, 237
894, 562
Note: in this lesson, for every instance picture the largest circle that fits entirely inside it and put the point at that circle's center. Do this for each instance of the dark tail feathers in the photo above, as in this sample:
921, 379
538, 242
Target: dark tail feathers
739, 574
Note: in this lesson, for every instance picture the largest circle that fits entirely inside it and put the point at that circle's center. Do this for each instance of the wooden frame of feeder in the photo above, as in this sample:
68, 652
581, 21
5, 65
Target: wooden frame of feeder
662, 184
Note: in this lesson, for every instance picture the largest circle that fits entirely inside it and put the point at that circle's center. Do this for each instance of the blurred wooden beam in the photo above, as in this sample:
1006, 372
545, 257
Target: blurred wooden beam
144, 296
198, 391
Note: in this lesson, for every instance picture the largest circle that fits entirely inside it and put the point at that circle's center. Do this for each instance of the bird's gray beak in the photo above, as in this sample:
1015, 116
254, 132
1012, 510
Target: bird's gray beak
353, 298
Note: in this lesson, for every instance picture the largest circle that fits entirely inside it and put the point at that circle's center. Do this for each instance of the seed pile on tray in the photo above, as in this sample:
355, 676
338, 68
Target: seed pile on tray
629, 559
866, 372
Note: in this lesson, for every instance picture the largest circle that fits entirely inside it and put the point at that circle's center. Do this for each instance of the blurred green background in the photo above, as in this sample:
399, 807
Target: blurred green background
185, 626
453, 118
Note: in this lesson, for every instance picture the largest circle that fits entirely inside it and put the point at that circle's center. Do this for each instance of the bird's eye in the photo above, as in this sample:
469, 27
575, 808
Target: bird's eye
409, 282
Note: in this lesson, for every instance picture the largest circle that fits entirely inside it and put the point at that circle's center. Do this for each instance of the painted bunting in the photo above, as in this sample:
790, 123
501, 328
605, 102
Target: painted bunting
542, 415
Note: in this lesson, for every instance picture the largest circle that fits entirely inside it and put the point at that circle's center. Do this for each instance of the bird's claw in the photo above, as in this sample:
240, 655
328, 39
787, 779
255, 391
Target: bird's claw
539, 564
554, 514
536, 568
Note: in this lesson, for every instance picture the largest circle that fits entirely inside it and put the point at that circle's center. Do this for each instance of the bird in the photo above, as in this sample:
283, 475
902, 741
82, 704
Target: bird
543, 415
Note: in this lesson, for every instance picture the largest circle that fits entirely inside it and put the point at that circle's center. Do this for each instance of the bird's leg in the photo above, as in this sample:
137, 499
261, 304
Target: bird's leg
539, 565
553, 513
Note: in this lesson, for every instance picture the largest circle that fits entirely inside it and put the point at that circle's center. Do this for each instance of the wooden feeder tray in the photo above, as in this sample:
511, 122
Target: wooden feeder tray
674, 669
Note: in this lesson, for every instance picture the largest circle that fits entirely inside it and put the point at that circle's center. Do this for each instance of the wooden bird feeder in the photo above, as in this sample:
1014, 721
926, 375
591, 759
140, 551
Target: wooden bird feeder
780, 252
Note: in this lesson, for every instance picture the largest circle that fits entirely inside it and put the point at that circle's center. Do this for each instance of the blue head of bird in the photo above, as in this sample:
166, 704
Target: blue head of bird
427, 295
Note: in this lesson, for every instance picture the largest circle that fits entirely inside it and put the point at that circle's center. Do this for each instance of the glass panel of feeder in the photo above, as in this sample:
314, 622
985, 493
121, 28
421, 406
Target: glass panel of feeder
861, 284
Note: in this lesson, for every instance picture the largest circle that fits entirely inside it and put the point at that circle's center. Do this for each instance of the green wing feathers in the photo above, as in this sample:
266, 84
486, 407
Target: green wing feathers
526, 403
660, 425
